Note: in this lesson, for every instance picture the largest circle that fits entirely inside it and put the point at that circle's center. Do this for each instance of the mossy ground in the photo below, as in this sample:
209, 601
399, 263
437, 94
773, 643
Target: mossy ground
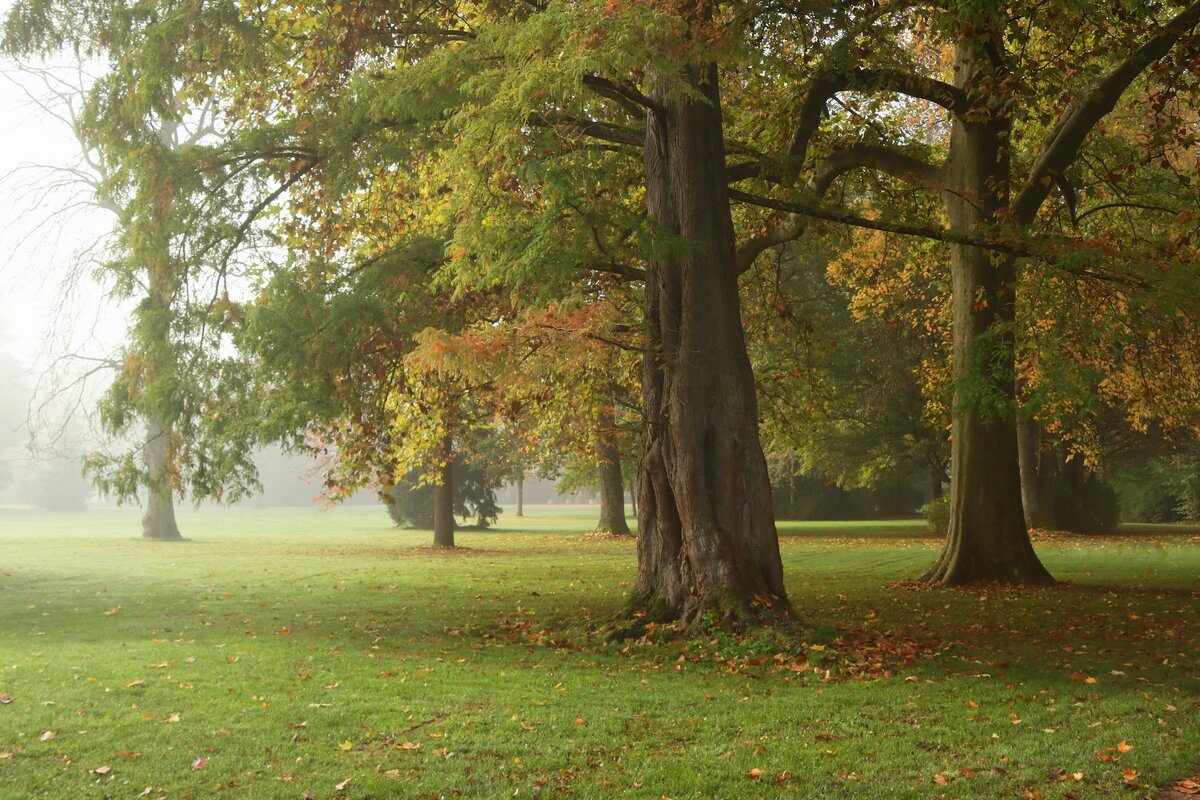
285, 654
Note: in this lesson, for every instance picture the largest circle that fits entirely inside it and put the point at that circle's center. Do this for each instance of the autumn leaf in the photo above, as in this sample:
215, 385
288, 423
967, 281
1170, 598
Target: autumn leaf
5, 699
173, 718
755, 774
102, 770
1124, 747
46, 736
408, 746
343, 785
347, 745
200, 763
134, 684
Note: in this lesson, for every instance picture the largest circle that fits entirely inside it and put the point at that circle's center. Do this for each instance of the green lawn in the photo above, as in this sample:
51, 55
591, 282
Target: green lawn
285, 653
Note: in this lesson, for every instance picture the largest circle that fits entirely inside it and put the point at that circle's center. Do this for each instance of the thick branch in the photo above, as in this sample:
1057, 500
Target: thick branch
883, 159
817, 211
1047, 252
629, 97
629, 273
604, 131
1091, 105
823, 87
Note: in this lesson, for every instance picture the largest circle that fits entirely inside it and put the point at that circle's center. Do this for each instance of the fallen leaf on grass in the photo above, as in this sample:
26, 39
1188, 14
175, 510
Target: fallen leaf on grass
408, 746
173, 718
200, 763
347, 745
6, 754
1129, 774
393, 773
102, 770
5, 699
1124, 747
1181, 787
135, 683
342, 785
755, 774
46, 736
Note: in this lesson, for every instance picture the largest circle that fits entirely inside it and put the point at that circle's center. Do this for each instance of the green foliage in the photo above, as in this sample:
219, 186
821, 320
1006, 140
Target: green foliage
1158, 487
937, 514
1093, 507
410, 501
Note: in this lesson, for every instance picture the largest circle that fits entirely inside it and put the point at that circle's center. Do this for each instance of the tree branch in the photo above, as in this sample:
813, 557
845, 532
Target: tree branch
1090, 105
883, 159
629, 97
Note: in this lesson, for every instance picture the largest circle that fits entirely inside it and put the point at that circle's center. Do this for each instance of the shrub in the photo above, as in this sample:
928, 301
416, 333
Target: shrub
937, 514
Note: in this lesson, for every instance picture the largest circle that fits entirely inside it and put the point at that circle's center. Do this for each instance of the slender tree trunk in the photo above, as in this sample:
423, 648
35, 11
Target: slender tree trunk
612, 487
987, 539
159, 520
443, 503
521, 495
707, 537
633, 496
1033, 480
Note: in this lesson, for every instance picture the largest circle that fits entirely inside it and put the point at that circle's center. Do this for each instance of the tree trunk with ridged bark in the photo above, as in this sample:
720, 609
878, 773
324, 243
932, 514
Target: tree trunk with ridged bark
707, 538
987, 538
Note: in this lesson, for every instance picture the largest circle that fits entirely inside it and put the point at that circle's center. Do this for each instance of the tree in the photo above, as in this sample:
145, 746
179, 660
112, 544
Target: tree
139, 126
988, 222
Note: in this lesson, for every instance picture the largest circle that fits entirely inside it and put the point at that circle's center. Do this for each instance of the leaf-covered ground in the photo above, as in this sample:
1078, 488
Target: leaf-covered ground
288, 654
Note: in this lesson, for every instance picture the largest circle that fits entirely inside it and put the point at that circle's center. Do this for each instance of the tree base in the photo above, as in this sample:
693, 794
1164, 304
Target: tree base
950, 571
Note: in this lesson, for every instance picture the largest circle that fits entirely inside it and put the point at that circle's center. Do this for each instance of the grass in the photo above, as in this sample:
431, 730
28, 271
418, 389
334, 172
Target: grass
285, 654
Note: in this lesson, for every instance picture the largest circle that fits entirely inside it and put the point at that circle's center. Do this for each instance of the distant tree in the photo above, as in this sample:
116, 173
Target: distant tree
411, 502
141, 125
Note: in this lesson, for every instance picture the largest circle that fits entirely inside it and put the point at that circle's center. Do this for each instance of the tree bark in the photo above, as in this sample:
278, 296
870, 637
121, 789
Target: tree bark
1034, 498
521, 495
707, 538
612, 486
987, 538
443, 504
158, 522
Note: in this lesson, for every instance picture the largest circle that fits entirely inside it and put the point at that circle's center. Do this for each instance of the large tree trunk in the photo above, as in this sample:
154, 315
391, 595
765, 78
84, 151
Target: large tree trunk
612, 486
707, 536
443, 504
159, 520
987, 539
